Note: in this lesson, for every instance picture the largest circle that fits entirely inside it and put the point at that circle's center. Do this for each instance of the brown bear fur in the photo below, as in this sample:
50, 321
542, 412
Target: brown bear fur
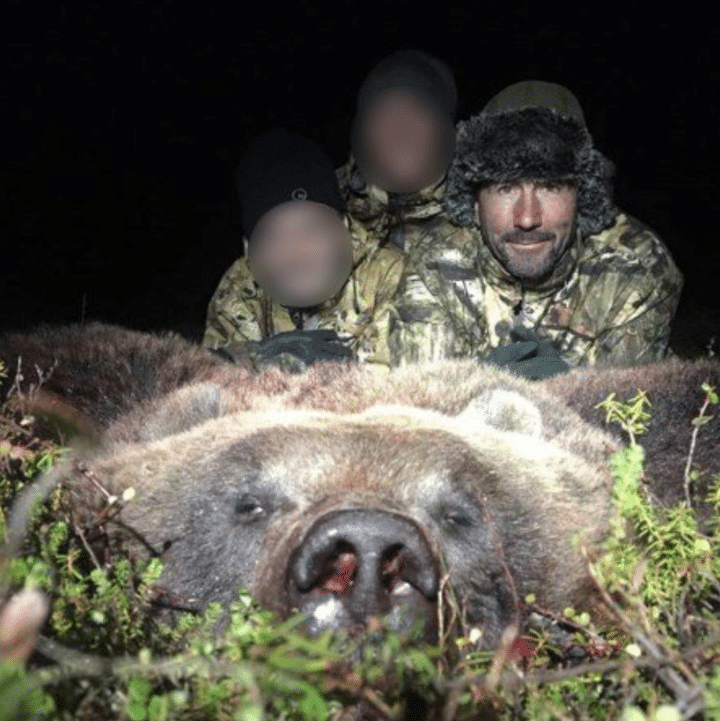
675, 392
522, 471
102, 370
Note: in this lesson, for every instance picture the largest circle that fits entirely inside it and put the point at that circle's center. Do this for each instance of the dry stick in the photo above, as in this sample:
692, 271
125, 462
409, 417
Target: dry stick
492, 678
373, 698
15, 387
42, 376
542, 677
72, 663
693, 441
86, 546
691, 706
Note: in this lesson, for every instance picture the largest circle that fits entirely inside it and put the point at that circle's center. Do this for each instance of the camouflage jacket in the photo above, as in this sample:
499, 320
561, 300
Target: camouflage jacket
398, 220
240, 312
609, 301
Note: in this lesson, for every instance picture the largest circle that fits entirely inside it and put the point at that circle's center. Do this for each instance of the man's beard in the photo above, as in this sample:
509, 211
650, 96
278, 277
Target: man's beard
531, 263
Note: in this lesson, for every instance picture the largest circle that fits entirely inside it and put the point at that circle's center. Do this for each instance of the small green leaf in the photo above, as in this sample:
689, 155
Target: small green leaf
313, 705
136, 711
158, 708
139, 688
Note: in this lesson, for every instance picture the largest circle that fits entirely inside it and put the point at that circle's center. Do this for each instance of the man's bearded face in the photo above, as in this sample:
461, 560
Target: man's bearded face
528, 225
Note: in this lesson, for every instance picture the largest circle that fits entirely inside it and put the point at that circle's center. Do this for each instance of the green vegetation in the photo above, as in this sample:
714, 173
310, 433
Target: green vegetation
654, 656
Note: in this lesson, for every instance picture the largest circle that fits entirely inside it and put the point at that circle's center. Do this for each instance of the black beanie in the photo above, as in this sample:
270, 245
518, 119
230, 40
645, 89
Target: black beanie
281, 166
421, 74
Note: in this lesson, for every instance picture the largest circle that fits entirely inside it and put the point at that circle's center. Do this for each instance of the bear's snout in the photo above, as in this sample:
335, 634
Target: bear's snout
353, 565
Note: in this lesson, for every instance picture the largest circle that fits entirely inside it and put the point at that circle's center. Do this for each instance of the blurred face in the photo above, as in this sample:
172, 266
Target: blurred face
404, 145
300, 253
528, 225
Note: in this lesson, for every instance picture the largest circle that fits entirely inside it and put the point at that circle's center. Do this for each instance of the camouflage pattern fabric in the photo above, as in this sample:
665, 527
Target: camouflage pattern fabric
391, 219
609, 301
240, 313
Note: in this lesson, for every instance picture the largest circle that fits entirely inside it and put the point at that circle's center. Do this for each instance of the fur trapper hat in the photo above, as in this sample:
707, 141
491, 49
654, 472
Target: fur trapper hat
533, 131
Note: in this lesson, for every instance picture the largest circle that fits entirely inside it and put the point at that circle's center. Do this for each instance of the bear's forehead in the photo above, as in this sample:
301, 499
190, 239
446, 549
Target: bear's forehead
398, 453
354, 457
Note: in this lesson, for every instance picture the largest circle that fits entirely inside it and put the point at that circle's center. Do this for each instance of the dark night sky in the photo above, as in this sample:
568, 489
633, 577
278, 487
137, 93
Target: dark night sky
123, 126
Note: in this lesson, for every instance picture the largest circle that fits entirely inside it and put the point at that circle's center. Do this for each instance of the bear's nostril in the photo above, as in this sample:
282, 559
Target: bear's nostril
340, 574
391, 568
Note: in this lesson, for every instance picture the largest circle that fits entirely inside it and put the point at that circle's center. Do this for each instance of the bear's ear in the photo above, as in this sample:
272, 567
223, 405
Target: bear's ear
182, 410
504, 410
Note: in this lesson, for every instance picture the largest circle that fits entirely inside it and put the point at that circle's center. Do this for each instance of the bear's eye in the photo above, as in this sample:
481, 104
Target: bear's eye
249, 507
457, 517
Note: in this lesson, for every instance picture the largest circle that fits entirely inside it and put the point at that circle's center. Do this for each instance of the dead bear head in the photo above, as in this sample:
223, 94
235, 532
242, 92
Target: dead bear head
340, 492
351, 515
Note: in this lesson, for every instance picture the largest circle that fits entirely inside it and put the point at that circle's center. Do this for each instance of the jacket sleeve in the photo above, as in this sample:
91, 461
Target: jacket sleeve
637, 329
231, 317
644, 337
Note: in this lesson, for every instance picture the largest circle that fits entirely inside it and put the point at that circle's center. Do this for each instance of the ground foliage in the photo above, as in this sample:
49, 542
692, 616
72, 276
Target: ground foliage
107, 653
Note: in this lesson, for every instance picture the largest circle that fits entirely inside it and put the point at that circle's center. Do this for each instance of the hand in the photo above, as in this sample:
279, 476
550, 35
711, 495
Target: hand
528, 356
305, 346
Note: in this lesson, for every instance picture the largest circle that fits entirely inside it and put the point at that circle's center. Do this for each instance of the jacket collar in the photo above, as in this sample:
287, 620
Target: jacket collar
424, 203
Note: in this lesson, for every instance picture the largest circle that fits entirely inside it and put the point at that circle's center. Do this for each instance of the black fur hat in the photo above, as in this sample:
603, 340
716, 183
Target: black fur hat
544, 140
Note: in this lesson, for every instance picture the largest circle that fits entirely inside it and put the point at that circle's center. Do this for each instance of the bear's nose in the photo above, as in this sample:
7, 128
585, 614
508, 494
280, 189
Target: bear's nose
360, 563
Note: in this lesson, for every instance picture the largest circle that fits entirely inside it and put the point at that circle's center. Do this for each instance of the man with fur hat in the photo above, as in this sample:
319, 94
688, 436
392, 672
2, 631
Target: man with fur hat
311, 285
402, 142
560, 276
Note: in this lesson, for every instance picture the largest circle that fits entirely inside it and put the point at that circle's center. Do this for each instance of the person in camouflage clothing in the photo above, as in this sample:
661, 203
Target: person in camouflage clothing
312, 284
402, 142
557, 275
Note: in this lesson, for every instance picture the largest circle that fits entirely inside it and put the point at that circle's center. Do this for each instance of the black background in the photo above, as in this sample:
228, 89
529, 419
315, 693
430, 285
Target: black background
124, 125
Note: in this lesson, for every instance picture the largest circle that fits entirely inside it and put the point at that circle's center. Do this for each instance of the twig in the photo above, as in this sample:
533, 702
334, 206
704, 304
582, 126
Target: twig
72, 663
15, 387
374, 699
693, 441
42, 376
86, 546
601, 667
492, 678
